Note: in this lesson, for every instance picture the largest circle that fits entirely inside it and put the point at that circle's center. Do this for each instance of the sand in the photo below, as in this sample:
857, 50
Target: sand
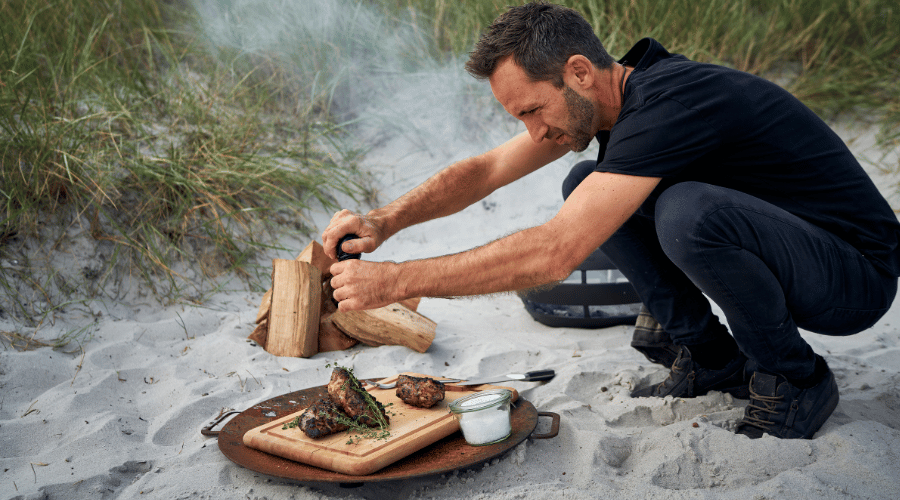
120, 416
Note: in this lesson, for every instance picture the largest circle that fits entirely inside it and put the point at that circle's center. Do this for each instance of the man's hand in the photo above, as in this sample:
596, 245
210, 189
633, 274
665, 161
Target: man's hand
346, 222
365, 285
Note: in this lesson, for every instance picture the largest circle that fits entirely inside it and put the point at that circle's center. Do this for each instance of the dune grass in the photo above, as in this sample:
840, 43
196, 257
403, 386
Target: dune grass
115, 121
838, 56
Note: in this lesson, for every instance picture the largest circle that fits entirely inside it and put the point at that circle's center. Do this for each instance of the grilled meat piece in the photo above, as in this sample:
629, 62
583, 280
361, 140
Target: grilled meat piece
418, 391
319, 419
346, 391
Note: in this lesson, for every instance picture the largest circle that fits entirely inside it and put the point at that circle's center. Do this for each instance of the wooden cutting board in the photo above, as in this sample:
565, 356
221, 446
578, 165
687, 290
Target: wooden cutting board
411, 429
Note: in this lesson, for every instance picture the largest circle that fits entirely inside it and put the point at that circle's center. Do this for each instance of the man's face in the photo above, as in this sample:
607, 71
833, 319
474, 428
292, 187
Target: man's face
549, 113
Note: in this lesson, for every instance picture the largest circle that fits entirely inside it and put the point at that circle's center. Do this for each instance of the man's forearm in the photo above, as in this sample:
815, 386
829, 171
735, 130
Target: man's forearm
465, 182
522, 260
447, 192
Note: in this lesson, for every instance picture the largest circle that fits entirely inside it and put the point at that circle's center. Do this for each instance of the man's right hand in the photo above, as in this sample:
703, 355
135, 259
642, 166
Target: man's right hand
346, 222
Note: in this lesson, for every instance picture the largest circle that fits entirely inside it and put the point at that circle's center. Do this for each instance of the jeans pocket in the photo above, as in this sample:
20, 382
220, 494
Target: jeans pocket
840, 321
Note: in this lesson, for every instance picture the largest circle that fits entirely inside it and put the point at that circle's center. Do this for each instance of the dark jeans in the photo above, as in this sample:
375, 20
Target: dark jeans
770, 272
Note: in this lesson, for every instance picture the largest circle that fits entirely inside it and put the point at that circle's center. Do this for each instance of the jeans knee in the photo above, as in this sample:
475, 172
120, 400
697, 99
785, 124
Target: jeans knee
680, 212
578, 173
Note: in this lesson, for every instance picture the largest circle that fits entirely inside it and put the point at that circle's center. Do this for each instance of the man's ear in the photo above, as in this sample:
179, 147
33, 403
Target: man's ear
578, 72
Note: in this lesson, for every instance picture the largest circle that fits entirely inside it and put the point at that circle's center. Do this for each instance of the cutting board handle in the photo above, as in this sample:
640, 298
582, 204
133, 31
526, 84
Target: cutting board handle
554, 426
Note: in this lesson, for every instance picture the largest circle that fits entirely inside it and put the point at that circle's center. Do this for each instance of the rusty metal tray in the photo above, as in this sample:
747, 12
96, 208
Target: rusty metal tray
449, 454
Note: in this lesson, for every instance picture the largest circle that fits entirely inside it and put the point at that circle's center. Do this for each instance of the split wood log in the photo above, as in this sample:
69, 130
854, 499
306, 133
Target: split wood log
264, 307
328, 305
331, 338
314, 254
293, 323
395, 324
260, 333
411, 304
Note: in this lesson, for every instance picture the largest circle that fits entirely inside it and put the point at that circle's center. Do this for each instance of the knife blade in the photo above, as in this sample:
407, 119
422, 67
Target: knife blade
532, 376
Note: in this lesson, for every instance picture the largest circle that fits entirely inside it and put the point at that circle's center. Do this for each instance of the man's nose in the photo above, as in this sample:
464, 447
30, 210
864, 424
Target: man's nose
536, 129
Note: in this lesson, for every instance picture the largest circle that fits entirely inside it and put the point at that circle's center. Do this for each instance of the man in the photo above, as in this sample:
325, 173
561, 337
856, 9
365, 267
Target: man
709, 181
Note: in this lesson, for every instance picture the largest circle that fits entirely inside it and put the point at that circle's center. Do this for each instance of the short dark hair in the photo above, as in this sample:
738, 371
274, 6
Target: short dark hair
541, 38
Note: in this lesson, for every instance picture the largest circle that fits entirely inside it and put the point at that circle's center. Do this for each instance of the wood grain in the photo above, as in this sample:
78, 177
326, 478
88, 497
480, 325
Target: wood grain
293, 323
394, 324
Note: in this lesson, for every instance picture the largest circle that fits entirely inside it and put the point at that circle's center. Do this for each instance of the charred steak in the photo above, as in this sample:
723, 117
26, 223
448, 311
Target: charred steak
345, 390
320, 419
423, 392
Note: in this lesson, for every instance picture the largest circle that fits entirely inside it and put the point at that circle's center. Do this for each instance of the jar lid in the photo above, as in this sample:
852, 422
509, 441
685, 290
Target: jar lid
481, 400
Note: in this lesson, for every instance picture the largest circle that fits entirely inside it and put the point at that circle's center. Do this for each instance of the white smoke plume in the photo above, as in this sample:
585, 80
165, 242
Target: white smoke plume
415, 111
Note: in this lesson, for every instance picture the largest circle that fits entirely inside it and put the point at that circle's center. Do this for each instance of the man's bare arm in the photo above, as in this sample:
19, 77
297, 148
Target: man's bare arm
447, 192
535, 256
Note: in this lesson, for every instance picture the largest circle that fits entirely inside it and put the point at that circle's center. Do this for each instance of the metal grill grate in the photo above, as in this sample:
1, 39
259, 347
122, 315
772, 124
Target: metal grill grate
596, 295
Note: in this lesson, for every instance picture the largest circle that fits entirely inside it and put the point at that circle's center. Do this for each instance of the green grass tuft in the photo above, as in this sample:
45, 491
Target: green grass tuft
838, 56
116, 122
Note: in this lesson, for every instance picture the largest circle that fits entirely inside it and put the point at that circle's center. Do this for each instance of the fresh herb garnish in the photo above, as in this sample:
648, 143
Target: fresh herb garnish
357, 430
380, 431
292, 423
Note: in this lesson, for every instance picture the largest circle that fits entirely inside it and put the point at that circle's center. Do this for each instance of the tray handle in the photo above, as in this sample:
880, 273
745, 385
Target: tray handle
208, 430
554, 426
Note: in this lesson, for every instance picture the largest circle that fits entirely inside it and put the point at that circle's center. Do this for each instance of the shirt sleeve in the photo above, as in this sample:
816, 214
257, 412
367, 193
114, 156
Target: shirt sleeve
659, 138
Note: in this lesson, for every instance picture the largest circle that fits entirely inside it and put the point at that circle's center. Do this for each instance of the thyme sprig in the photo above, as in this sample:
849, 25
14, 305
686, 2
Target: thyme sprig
356, 430
292, 424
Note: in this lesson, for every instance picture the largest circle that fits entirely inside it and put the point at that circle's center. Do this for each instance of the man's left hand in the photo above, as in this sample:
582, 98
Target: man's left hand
360, 284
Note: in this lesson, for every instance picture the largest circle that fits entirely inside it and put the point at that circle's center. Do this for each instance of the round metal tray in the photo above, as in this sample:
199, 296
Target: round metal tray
449, 454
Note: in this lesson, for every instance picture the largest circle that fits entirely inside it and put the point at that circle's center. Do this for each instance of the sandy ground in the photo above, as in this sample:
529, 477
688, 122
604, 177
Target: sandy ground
121, 418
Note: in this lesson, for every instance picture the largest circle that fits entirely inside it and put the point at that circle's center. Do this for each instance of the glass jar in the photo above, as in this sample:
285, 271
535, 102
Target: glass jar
484, 416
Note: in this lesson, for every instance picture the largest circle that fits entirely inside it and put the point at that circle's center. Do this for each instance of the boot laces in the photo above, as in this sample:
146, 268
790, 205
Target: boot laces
759, 408
674, 371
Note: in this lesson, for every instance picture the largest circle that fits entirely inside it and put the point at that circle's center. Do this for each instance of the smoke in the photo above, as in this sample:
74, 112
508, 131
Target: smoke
325, 43
379, 71
413, 109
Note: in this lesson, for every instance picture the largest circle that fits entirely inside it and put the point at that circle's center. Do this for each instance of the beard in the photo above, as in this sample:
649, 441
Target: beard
581, 116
